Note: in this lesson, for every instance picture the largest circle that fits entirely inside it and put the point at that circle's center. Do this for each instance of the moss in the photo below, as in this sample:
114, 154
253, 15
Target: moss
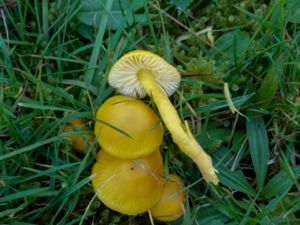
224, 14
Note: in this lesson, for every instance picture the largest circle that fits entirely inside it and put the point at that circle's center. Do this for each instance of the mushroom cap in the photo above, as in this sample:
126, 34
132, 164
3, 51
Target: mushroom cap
123, 74
128, 186
80, 142
127, 128
171, 205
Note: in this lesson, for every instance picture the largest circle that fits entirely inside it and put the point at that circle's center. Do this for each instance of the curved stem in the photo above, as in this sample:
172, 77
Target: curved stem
180, 132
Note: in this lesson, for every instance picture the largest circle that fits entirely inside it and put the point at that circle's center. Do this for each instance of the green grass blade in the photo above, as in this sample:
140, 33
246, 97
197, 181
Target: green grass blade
221, 104
45, 13
44, 107
259, 146
7, 61
45, 173
269, 85
23, 194
280, 183
16, 222
75, 188
235, 180
89, 75
210, 214
286, 166
115, 128
30, 147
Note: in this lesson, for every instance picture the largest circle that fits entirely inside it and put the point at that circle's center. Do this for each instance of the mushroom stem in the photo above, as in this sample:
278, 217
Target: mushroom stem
180, 132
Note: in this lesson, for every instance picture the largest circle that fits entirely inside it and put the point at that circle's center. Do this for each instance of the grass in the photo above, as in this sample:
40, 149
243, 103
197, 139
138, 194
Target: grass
53, 68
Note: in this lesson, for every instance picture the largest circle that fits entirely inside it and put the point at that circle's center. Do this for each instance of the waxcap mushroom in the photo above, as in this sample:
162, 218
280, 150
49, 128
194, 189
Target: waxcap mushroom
123, 74
80, 142
127, 128
128, 186
171, 204
143, 78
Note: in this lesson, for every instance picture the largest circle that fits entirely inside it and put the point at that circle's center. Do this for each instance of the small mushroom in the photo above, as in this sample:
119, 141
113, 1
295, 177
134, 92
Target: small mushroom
127, 128
171, 205
140, 72
79, 142
128, 186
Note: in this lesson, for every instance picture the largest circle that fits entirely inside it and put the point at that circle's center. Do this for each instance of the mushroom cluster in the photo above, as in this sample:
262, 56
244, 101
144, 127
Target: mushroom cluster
140, 72
128, 174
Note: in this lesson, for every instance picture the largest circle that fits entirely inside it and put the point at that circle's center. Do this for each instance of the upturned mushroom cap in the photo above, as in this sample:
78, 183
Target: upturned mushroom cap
128, 186
123, 74
171, 205
127, 128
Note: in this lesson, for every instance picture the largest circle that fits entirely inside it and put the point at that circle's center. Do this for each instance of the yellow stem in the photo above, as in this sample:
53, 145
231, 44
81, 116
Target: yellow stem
180, 132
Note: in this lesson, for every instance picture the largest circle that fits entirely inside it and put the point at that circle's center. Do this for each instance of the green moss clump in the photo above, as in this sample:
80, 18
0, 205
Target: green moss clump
221, 14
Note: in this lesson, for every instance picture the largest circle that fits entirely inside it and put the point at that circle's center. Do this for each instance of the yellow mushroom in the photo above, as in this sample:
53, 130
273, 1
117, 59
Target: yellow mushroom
140, 72
79, 142
171, 205
127, 128
128, 186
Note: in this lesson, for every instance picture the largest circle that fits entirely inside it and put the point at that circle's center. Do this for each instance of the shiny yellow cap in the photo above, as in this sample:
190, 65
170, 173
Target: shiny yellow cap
127, 128
79, 142
171, 205
128, 186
